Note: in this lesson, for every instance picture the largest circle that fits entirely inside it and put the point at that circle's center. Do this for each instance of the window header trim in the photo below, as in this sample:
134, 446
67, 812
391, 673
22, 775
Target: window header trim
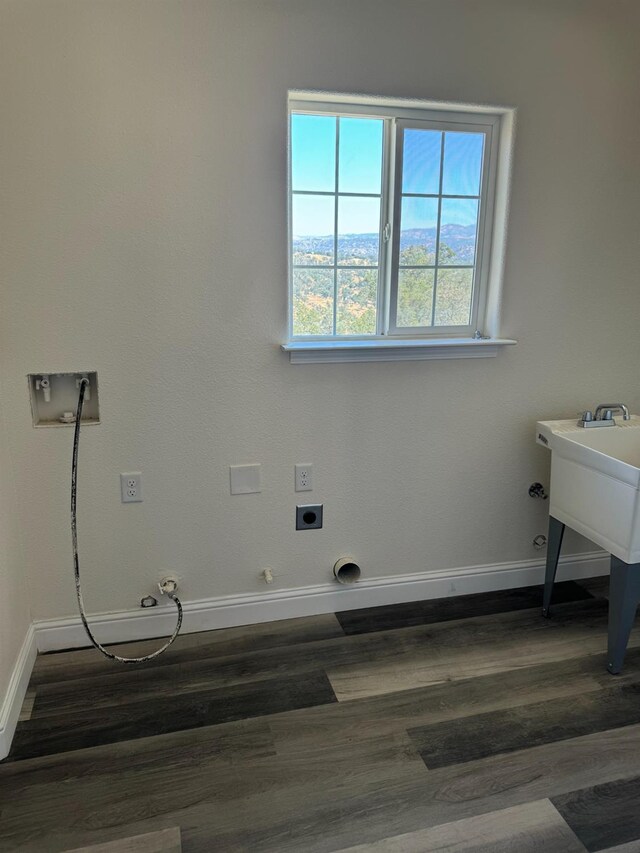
319, 101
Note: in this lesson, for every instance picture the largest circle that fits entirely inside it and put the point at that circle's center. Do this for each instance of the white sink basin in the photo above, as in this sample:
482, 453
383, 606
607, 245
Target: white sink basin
595, 478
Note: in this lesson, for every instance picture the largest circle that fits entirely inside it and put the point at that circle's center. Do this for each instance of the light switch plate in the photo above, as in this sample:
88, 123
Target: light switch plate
244, 479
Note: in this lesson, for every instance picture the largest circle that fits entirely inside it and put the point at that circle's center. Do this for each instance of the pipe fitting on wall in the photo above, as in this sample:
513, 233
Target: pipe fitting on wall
536, 490
87, 386
44, 384
346, 571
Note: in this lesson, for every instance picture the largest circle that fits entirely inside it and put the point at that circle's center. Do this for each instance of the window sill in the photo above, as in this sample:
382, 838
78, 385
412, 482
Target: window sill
392, 349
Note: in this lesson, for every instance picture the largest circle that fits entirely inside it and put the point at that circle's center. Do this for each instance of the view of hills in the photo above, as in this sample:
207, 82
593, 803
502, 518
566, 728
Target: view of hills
316, 286
363, 248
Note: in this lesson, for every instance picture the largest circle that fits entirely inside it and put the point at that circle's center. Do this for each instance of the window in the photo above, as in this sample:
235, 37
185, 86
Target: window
392, 222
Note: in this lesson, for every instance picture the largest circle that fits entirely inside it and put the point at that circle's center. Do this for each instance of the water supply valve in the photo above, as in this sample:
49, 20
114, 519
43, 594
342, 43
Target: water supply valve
44, 384
87, 390
168, 586
54, 397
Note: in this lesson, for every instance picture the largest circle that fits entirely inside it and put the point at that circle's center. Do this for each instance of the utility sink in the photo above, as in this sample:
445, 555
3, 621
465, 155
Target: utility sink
595, 478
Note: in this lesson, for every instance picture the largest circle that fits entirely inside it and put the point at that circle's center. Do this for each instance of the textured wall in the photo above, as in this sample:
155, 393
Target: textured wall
14, 597
144, 231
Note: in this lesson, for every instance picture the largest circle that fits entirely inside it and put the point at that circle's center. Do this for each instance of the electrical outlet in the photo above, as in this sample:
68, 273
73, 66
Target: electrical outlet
304, 478
309, 517
131, 487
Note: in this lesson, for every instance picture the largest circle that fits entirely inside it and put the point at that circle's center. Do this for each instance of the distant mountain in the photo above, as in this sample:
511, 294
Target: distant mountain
452, 235
459, 238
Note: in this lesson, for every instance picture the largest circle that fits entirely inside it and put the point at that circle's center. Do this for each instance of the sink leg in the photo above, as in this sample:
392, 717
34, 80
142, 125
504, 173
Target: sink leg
624, 594
554, 543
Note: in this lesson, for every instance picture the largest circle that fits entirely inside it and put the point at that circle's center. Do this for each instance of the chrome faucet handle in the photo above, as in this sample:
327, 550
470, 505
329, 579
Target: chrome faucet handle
586, 416
611, 407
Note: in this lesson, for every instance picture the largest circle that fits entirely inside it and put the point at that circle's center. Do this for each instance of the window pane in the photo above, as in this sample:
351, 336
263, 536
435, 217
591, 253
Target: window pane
418, 226
458, 226
312, 302
313, 153
462, 163
358, 230
421, 161
453, 297
415, 295
360, 160
312, 228
356, 307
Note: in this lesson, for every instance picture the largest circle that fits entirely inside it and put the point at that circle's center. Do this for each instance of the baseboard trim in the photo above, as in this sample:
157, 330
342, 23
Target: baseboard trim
14, 697
232, 610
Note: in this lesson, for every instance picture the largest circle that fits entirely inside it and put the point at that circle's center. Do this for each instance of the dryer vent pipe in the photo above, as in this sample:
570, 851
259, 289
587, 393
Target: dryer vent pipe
346, 571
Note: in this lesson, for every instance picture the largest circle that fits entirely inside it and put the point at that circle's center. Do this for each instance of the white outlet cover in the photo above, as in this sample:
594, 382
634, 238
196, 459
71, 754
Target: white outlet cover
131, 487
244, 479
304, 477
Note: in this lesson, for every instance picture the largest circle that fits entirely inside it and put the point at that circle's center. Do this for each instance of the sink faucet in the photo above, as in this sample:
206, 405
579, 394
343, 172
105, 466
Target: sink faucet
601, 411
603, 416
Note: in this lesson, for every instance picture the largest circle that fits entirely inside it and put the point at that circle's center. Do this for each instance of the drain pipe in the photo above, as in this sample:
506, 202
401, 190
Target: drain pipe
346, 571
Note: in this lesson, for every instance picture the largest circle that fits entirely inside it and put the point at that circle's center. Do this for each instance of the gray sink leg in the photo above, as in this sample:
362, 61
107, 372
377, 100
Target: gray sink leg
554, 543
624, 594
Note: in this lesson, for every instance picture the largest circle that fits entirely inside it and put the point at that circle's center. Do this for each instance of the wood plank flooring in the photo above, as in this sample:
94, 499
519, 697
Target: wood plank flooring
466, 724
526, 829
165, 841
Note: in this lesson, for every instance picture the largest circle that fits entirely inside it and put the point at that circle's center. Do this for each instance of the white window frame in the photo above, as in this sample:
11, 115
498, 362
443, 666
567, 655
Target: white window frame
453, 122
480, 337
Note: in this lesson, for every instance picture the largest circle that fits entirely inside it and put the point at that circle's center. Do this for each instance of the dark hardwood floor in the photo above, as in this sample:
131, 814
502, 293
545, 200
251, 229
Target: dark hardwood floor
463, 724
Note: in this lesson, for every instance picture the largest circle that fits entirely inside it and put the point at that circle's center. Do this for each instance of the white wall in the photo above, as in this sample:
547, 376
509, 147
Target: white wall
14, 597
143, 217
